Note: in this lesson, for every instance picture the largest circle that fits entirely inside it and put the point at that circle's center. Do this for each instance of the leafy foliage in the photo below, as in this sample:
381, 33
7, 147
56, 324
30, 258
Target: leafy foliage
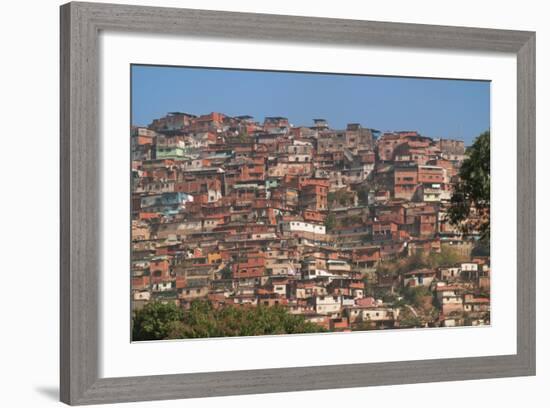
352, 220
157, 321
414, 295
470, 203
341, 198
408, 319
446, 257
203, 320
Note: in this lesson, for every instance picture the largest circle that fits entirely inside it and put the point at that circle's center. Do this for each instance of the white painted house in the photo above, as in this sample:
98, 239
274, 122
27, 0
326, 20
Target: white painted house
302, 226
328, 305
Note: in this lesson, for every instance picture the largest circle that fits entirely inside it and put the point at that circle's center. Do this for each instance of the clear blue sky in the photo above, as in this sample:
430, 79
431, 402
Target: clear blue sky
434, 107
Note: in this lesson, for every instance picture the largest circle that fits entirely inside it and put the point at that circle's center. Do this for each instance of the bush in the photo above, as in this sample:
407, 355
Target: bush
157, 321
203, 320
407, 319
414, 295
447, 256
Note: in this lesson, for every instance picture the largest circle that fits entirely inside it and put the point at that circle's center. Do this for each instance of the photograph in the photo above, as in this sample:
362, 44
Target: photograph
277, 202
266, 204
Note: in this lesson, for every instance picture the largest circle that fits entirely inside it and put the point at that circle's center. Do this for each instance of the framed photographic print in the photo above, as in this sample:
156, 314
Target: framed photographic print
261, 203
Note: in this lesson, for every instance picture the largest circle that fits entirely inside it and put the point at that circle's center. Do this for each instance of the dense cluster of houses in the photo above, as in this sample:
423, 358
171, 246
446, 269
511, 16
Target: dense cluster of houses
246, 213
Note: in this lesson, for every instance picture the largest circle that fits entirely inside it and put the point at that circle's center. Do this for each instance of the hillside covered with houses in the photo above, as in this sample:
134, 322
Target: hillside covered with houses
346, 228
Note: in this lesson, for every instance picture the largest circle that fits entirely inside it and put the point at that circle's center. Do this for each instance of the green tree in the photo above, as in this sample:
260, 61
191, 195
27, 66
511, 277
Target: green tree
203, 320
340, 198
419, 260
408, 319
470, 203
354, 219
447, 257
414, 295
155, 321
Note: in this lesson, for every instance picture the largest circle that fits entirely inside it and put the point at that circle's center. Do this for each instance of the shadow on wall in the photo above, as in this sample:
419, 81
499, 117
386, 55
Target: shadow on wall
49, 392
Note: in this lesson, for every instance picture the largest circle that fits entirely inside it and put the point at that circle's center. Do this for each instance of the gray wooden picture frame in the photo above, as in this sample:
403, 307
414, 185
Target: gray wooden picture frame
81, 24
